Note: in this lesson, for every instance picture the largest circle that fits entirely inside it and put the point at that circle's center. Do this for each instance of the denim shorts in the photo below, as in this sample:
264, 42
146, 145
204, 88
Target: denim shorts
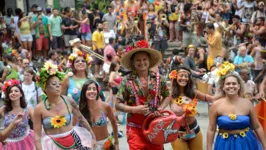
86, 36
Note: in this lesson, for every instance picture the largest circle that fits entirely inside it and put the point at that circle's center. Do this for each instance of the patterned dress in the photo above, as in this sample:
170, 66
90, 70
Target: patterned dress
21, 138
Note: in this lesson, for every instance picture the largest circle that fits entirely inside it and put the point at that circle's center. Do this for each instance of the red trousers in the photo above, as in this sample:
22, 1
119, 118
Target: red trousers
137, 141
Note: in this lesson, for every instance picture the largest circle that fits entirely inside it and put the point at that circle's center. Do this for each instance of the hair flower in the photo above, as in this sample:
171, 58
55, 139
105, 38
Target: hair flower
76, 54
9, 83
173, 74
48, 70
58, 121
224, 69
232, 116
225, 135
142, 44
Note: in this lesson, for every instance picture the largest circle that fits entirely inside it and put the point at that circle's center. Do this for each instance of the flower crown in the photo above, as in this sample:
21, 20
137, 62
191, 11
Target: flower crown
225, 69
74, 55
9, 83
174, 73
48, 70
138, 44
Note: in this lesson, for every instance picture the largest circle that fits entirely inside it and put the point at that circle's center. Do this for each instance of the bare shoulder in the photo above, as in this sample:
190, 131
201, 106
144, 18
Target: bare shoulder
39, 107
105, 106
246, 102
218, 102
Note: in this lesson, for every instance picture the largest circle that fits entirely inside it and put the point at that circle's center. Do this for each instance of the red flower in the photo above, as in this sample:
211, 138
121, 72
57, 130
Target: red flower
37, 78
152, 92
142, 44
129, 48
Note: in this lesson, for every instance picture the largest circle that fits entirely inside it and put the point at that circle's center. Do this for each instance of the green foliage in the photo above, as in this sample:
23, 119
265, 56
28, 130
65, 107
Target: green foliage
103, 4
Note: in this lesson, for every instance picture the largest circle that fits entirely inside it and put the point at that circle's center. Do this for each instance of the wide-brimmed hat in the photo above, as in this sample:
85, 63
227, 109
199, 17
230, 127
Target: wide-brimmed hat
141, 46
74, 41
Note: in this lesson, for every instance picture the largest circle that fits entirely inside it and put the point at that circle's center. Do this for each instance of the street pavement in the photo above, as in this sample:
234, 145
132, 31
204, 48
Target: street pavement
202, 119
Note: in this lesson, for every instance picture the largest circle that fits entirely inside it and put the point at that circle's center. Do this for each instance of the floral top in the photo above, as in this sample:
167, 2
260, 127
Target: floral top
126, 93
21, 129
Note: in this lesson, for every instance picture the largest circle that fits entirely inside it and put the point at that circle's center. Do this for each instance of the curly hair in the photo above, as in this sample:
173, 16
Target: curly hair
8, 105
189, 89
241, 91
83, 105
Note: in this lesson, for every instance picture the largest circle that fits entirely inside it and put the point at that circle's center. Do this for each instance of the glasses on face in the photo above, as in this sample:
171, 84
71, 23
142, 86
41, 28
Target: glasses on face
80, 61
26, 63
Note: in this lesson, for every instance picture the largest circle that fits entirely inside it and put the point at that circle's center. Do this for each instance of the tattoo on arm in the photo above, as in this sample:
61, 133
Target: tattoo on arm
81, 120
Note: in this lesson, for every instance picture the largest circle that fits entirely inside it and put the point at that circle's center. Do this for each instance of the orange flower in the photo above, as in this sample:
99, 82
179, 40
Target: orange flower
190, 108
107, 144
173, 74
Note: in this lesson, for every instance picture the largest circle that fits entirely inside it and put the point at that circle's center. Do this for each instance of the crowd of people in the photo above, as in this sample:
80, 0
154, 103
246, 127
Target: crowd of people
62, 105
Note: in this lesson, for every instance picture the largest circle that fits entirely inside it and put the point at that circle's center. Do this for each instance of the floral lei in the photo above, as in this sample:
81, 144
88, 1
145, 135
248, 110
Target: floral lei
9, 83
48, 70
74, 55
224, 69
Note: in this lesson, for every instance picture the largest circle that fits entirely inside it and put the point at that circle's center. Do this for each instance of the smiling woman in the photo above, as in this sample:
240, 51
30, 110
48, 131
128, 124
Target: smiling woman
96, 113
234, 115
21, 137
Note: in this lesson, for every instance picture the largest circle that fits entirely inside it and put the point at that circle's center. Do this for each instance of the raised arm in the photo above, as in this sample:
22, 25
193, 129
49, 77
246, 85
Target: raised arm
7, 131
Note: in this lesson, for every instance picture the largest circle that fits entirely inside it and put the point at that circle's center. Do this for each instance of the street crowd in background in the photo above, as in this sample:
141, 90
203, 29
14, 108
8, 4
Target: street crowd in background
218, 57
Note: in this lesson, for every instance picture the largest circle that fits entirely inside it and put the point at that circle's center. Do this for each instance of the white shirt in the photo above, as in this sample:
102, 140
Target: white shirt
239, 4
30, 93
108, 35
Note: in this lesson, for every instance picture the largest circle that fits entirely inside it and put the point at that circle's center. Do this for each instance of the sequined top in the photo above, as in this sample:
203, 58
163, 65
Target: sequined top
21, 129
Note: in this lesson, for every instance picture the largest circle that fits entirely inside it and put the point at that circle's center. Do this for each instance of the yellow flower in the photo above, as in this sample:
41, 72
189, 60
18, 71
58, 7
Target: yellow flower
58, 121
180, 98
242, 133
225, 135
223, 72
232, 67
50, 68
180, 102
232, 116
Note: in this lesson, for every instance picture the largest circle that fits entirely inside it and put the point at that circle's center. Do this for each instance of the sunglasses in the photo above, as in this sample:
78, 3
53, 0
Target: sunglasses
80, 61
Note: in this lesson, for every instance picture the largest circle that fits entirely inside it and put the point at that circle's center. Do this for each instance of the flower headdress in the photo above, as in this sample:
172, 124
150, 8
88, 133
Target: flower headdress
138, 44
76, 54
48, 70
174, 73
225, 69
9, 83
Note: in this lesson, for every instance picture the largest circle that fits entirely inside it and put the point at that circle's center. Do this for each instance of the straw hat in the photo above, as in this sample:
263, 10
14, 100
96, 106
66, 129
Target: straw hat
72, 42
155, 56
